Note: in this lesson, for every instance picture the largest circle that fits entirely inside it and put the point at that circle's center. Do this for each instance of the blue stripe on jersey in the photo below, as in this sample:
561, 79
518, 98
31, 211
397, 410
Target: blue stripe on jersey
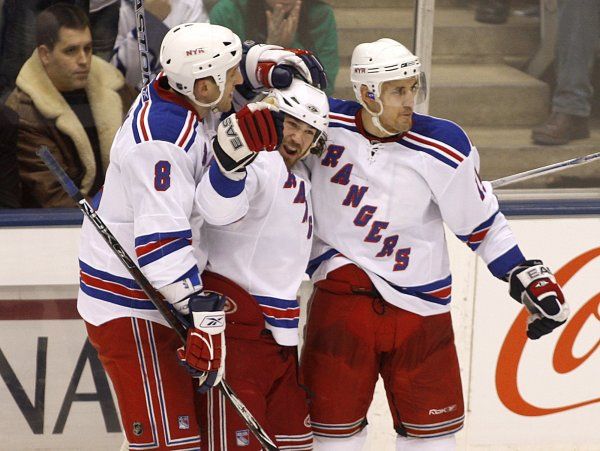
315, 262
129, 283
188, 146
277, 302
193, 274
165, 119
339, 125
145, 239
104, 293
163, 251
442, 130
429, 152
423, 291
134, 127
115, 298
282, 323
507, 261
474, 241
223, 184
266, 302
347, 107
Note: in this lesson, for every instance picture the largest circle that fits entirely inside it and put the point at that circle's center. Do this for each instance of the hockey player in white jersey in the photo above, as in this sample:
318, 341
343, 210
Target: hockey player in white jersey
388, 181
157, 159
258, 233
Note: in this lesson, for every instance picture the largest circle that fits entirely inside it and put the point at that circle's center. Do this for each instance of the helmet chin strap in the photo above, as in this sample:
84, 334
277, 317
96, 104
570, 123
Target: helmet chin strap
375, 118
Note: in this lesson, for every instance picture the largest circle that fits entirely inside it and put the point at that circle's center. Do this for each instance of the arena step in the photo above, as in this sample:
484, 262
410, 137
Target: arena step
456, 33
507, 151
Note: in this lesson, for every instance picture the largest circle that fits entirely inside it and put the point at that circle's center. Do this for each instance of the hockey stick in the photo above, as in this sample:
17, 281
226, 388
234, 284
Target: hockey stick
544, 170
140, 23
153, 294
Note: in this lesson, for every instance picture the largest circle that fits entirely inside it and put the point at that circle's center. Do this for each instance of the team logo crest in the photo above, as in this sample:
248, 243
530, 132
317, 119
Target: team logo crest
242, 438
137, 428
192, 52
183, 422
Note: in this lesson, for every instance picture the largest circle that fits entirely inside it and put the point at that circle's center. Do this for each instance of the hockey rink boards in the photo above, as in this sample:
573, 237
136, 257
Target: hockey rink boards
519, 394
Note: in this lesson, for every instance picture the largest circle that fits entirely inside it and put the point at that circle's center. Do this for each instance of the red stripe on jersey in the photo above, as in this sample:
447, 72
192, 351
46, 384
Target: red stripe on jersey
478, 237
147, 248
441, 293
292, 313
112, 287
436, 145
142, 117
341, 118
188, 129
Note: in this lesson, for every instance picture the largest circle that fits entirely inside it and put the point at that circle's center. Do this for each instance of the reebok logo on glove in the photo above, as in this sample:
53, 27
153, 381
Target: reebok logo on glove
212, 321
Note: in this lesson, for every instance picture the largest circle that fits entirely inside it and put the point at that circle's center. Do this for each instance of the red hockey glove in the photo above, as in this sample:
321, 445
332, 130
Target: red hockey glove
204, 352
533, 285
258, 126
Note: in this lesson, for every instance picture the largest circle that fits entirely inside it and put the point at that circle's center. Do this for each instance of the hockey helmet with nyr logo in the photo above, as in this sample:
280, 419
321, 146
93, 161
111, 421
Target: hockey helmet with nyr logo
191, 51
307, 104
374, 63
383, 60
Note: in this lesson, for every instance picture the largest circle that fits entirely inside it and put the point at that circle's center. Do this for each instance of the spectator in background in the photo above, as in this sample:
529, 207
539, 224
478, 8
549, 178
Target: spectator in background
10, 184
576, 40
18, 32
161, 16
71, 102
104, 21
308, 24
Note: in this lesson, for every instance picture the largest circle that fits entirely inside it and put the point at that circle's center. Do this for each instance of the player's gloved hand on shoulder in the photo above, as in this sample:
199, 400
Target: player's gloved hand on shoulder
256, 127
204, 352
533, 285
266, 66
318, 77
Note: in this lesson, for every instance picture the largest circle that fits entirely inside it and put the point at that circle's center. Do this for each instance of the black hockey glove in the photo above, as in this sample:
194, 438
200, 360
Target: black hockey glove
533, 285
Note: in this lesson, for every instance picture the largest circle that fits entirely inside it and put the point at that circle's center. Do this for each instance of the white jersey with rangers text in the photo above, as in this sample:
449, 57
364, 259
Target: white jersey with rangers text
157, 159
258, 233
382, 203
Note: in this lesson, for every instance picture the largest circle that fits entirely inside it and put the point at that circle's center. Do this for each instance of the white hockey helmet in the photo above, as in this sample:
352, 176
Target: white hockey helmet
383, 60
197, 50
307, 104
374, 63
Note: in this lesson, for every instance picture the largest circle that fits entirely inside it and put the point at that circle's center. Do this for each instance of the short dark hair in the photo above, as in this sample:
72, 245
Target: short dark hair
52, 19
